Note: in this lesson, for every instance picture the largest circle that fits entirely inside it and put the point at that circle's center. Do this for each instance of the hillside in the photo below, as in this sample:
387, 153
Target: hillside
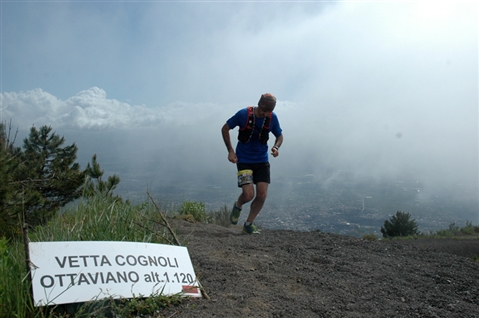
311, 274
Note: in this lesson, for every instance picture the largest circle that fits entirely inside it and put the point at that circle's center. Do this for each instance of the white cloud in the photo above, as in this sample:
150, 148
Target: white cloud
89, 109
381, 88
436, 144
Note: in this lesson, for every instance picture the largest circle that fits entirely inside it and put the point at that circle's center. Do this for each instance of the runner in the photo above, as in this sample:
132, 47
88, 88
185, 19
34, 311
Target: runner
251, 155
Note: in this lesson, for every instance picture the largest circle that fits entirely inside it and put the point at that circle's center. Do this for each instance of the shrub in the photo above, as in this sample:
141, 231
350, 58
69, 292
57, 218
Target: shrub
192, 211
444, 233
221, 217
468, 229
453, 228
195, 209
370, 237
399, 225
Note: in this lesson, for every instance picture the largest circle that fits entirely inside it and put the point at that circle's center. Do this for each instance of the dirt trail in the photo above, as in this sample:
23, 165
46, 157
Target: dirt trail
311, 274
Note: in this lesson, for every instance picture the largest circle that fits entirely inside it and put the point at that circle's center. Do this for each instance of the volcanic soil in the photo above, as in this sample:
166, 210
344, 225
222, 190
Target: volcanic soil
281, 273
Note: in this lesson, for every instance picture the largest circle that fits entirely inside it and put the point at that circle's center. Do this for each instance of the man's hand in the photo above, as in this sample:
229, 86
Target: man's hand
277, 144
274, 152
225, 132
232, 157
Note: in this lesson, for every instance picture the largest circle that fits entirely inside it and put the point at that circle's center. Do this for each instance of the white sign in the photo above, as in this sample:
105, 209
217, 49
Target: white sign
69, 272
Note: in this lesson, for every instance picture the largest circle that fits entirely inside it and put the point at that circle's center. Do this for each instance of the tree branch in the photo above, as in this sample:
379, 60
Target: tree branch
163, 217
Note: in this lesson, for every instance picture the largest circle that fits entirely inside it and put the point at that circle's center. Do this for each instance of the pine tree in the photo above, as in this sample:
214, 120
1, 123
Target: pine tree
95, 185
9, 189
399, 225
50, 177
36, 181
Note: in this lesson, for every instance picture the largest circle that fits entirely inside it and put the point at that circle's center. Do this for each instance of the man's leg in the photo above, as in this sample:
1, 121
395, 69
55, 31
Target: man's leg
245, 180
246, 195
258, 202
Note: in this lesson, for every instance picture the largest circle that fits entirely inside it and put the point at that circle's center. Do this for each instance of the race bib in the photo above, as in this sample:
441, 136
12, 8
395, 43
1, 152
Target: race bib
245, 177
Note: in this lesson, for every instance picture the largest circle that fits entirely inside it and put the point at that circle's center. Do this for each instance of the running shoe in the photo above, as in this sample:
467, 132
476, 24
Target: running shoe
250, 229
235, 214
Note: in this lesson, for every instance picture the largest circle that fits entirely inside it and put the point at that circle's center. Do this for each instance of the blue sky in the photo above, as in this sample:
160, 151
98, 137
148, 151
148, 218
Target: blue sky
379, 88
154, 53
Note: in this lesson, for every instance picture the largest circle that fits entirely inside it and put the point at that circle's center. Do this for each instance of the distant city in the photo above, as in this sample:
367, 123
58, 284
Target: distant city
305, 203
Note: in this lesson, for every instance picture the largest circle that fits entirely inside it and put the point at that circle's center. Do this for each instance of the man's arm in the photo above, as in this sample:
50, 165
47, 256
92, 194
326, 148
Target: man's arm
277, 143
225, 132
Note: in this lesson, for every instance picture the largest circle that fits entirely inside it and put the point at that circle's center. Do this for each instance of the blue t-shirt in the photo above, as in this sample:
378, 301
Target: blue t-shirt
253, 151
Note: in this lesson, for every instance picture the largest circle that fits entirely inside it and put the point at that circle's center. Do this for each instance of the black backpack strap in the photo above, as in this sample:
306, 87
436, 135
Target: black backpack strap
267, 121
245, 132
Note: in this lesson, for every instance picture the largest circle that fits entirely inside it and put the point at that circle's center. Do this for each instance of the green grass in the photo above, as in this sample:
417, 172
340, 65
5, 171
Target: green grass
196, 212
93, 219
14, 287
370, 237
469, 231
220, 217
100, 219
103, 219
454, 231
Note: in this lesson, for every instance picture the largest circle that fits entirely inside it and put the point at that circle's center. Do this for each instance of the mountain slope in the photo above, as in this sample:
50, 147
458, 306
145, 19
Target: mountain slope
311, 274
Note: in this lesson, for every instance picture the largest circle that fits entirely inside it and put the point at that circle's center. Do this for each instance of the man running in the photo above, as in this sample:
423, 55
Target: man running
251, 156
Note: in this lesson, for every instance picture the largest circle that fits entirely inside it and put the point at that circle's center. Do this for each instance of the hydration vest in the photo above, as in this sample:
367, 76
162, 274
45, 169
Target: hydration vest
245, 133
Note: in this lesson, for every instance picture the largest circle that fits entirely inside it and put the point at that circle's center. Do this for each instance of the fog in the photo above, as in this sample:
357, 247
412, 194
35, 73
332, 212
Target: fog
385, 91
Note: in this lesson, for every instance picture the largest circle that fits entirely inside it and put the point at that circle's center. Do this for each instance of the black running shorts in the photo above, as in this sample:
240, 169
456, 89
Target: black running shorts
253, 172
